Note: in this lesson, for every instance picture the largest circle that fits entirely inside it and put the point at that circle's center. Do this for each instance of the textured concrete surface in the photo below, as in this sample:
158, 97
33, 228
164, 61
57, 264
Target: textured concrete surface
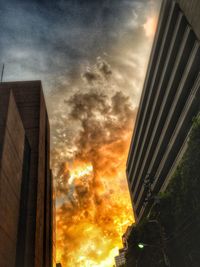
32, 116
191, 8
169, 101
10, 179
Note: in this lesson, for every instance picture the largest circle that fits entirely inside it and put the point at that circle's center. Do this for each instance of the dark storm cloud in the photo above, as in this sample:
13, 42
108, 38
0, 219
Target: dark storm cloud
104, 120
46, 39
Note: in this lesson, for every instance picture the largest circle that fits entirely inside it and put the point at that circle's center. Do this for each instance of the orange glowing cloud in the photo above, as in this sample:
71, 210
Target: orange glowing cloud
90, 224
150, 26
94, 207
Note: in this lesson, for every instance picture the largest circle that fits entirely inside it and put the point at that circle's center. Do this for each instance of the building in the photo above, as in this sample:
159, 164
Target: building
26, 187
120, 260
169, 101
126, 236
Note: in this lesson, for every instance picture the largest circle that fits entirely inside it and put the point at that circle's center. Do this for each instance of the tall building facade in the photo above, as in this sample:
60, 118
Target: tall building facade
26, 186
170, 99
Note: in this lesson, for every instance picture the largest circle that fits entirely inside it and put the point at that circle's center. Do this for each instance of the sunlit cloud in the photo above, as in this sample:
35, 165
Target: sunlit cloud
96, 208
150, 26
92, 103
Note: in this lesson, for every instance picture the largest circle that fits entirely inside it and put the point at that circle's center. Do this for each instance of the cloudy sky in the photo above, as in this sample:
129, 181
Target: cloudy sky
91, 57
54, 40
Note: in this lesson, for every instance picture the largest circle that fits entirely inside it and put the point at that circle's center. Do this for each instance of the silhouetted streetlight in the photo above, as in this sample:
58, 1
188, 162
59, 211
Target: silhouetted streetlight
165, 257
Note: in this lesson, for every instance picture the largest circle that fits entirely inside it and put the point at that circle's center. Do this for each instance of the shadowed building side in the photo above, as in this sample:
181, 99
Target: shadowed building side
191, 10
169, 101
12, 145
35, 228
53, 222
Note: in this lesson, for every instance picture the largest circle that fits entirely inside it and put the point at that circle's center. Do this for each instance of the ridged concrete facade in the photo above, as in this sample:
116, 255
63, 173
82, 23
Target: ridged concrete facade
26, 191
169, 101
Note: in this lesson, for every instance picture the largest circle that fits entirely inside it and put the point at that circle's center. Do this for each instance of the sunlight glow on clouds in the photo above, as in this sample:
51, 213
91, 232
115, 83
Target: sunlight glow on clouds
97, 208
92, 68
150, 26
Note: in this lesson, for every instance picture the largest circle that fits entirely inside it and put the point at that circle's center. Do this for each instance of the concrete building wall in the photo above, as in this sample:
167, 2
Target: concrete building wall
27, 96
48, 237
12, 152
191, 8
169, 101
53, 221
41, 188
4, 101
32, 109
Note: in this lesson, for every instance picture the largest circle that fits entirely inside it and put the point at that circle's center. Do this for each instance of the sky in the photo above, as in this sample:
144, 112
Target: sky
91, 57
